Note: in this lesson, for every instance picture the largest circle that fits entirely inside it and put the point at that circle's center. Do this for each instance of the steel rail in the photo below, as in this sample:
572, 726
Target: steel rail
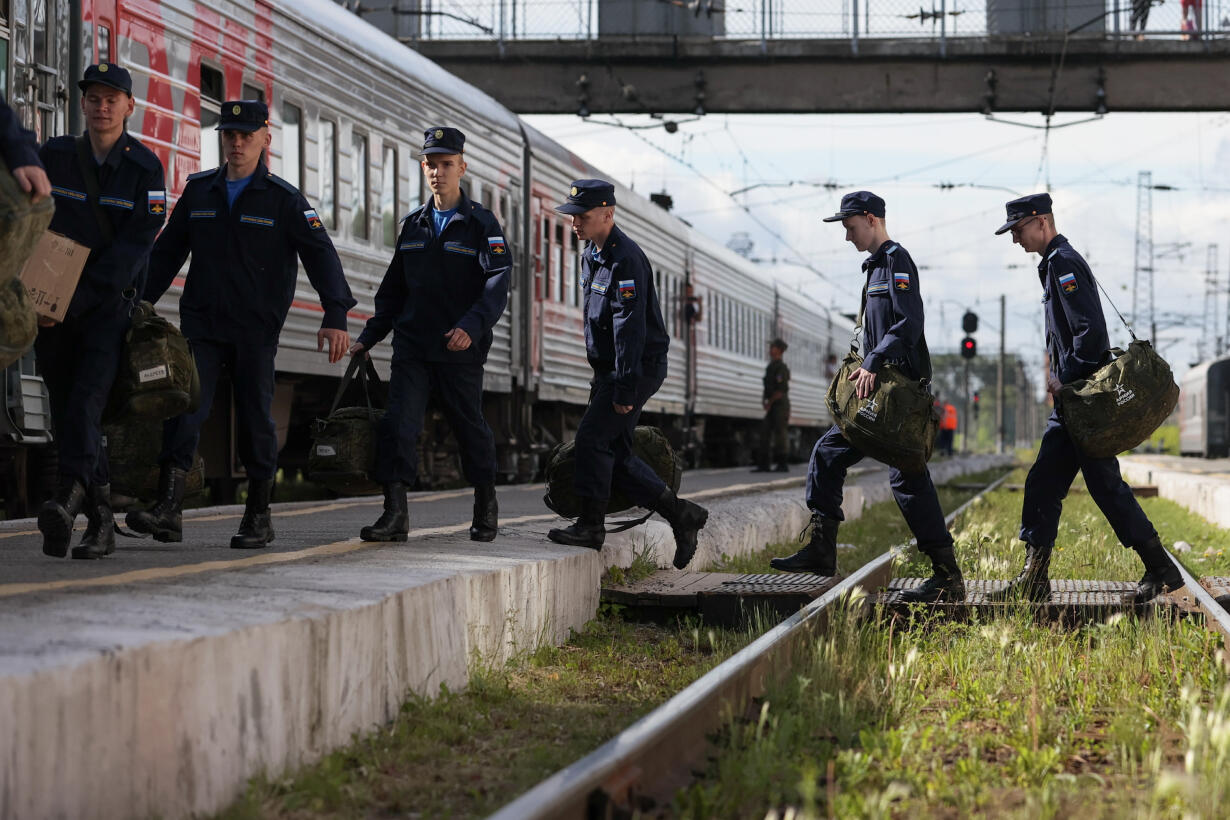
1197, 598
676, 732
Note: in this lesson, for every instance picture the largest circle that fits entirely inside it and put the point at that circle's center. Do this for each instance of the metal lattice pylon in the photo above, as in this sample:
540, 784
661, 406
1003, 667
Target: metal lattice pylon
1144, 246
1209, 343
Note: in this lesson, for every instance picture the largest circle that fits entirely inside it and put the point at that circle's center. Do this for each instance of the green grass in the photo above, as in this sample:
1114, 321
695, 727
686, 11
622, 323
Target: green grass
993, 718
1165, 439
464, 754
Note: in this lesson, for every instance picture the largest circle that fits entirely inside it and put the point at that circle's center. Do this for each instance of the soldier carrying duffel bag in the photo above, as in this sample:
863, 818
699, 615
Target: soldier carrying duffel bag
157, 377
26, 206
343, 452
648, 444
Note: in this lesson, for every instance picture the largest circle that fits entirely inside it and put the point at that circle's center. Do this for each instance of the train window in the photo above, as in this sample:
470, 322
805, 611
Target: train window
388, 195
328, 173
104, 44
359, 186
488, 198
506, 225
292, 144
568, 260
212, 95
557, 274
253, 92
711, 320
578, 250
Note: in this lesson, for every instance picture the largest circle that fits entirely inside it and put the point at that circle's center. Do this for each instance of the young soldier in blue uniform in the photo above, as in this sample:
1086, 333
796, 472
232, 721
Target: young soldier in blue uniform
443, 293
1078, 344
246, 230
626, 343
893, 333
20, 152
110, 197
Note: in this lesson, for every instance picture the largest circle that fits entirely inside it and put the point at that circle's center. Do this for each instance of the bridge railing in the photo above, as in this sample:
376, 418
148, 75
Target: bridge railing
813, 19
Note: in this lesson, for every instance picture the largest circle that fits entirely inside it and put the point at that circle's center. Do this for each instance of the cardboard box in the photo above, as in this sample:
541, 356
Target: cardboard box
51, 274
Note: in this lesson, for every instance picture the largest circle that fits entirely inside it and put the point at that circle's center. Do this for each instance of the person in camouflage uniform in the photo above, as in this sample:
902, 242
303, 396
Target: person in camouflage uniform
776, 400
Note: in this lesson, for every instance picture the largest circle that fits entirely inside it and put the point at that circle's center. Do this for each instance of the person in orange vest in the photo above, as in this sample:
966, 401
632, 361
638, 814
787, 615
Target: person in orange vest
948, 425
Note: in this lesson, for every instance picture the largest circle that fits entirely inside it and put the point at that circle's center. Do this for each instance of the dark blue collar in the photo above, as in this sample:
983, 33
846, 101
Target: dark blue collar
883, 252
1051, 249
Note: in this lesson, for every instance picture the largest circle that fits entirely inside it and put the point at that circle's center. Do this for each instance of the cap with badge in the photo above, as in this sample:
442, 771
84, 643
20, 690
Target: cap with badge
587, 194
108, 74
857, 204
1024, 208
443, 141
243, 115
779, 343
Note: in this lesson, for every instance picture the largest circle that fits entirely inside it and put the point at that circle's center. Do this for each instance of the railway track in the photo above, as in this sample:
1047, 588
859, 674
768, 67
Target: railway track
655, 756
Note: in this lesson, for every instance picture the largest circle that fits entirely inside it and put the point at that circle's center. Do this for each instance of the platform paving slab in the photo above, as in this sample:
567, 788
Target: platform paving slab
1199, 485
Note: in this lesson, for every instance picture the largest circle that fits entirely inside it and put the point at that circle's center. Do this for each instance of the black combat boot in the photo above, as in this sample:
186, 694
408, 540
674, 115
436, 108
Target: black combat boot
256, 528
945, 583
1033, 583
820, 554
686, 518
762, 467
589, 529
56, 516
394, 523
486, 514
1161, 574
164, 520
99, 538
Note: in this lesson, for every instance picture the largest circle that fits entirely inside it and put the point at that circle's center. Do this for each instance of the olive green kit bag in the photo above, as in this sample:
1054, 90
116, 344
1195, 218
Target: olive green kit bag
648, 443
157, 377
343, 454
22, 223
1121, 404
897, 423
18, 322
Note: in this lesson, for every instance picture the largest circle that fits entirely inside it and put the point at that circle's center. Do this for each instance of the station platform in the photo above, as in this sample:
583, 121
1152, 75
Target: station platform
156, 682
1198, 484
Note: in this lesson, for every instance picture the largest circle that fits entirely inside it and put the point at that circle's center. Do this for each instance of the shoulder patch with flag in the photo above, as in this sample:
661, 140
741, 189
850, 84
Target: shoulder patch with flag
157, 202
496, 245
1067, 281
313, 220
627, 290
901, 280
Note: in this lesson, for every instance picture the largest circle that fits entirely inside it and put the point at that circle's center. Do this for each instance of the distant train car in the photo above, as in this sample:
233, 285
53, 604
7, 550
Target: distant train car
1204, 410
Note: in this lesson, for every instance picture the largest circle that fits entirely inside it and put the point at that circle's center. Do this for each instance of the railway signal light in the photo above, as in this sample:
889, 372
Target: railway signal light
976, 397
969, 322
969, 348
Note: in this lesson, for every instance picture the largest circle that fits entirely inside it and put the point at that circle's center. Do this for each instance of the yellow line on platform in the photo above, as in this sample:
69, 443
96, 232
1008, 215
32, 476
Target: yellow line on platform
263, 559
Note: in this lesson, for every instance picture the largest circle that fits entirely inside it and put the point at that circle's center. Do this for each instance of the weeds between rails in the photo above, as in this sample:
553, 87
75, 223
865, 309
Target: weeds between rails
996, 716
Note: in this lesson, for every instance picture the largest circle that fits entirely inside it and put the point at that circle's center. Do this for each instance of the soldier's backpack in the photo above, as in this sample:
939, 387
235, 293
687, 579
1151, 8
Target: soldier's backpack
647, 442
157, 377
18, 323
1121, 404
898, 422
22, 222
343, 453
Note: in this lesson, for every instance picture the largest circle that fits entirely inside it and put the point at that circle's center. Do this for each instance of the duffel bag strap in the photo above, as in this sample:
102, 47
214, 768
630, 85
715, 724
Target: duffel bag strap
351, 369
620, 526
1131, 332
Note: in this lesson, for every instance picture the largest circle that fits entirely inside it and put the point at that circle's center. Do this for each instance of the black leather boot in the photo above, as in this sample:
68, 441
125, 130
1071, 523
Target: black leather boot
1033, 582
945, 583
256, 528
589, 529
1161, 574
57, 514
686, 518
820, 554
99, 538
394, 523
164, 520
486, 514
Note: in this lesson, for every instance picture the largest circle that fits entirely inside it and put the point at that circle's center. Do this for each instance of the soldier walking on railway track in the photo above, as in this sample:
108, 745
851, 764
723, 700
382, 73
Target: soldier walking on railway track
110, 196
893, 333
245, 229
442, 295
1077, 344
774, 443
626, 343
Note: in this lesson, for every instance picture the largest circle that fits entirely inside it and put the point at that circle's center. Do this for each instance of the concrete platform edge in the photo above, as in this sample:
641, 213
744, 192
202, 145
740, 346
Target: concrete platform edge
1206, 496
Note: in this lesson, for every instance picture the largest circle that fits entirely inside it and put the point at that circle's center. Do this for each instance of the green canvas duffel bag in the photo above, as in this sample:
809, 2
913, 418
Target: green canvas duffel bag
157, 377
648, 443
18, 322
133, 454
1120, 405
22, 223
343, 452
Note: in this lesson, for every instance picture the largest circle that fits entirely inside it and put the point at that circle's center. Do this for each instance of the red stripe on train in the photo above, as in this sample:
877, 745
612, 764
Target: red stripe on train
298, 303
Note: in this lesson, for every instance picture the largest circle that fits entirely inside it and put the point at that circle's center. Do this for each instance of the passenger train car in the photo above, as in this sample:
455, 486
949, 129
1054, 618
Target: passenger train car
347, 108
1204, 410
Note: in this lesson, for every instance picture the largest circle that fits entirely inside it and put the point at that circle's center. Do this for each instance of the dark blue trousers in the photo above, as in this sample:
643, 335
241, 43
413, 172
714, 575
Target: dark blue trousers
250, 366
459, 388
78, 359
915, 494
604, 442
1052, 475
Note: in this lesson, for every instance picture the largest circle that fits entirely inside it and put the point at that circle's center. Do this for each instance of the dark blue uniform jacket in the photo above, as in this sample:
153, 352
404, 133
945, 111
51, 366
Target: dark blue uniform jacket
244, 267
17, 144
893, 321
1075, 327
133, 197
436, 283
623, 321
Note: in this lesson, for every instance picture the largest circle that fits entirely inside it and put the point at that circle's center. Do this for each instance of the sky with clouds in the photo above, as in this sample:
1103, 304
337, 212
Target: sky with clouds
792, 170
